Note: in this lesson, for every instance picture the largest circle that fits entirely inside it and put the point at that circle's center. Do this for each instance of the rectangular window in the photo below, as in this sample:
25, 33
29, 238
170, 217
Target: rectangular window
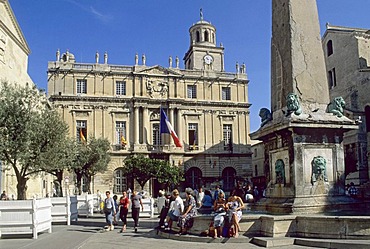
121, 138
192, 91
81, 131
120, 87
156, 135
119, 182
227, 133
332, 79
81, 86
255, 152
193, 136
226, 93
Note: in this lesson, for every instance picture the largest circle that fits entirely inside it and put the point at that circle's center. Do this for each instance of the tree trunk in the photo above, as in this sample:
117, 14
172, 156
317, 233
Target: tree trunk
59, 175
79, 183
22, 188
88, 184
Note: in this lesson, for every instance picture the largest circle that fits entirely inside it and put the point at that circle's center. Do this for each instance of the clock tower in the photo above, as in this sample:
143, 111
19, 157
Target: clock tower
203, 53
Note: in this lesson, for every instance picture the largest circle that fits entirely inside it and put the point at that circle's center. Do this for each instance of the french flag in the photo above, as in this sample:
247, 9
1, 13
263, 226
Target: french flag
166, 127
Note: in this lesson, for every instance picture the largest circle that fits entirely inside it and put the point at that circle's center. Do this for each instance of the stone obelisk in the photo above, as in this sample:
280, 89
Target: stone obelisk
303, 132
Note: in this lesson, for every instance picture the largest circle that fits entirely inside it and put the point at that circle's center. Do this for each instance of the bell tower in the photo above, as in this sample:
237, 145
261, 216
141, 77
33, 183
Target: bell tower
203, 53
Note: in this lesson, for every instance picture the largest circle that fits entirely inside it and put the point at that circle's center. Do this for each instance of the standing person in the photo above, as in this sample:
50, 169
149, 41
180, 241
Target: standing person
115, 197
164, 210
160, 201
219, 207
177, 208
217, 191
124, 203
109, 210
186, 219
200, 197
135, 208
238, 190
235, 206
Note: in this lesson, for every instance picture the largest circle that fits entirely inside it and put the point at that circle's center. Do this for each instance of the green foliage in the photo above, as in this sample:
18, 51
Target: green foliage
91, 158
30, 131
142, 169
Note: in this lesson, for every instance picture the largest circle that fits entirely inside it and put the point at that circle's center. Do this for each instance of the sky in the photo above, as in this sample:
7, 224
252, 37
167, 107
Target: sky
160, 28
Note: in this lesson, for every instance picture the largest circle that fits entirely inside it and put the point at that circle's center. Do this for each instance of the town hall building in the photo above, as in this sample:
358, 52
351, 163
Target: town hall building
207, 107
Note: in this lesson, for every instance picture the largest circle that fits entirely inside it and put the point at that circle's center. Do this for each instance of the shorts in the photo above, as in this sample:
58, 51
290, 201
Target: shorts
172, 216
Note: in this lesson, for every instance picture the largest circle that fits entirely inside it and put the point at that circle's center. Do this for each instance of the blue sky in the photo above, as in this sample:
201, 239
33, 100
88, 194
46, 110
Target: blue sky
159, 28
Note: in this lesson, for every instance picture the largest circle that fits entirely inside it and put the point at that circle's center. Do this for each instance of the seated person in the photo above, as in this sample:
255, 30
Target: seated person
207, 204
235, 206
186, 219
219, 207
176, 209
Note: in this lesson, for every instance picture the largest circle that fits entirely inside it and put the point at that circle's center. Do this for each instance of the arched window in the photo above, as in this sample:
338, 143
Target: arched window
206, 36
329, 47
193, 177
120, 181
197, 36
228, 177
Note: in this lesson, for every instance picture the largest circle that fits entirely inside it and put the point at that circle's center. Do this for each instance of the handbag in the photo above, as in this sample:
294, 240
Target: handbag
107, 210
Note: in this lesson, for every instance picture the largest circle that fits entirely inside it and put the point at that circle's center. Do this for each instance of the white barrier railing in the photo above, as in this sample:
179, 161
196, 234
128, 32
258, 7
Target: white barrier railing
25, 217
64, 209
85, 205
148, 205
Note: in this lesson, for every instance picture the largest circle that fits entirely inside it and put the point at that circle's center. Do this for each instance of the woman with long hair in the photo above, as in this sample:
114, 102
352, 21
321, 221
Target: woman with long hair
235, 207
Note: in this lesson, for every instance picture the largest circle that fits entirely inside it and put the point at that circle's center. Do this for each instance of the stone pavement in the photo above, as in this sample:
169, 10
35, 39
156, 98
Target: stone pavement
87, 234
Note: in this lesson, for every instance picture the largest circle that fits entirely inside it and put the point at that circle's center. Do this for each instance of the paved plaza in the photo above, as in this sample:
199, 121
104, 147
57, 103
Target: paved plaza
87, 234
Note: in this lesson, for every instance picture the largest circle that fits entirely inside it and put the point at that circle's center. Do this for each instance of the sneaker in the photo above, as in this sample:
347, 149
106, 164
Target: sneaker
111, 228
162, 227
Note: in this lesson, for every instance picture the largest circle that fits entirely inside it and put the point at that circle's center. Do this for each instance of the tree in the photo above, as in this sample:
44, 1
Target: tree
62, 158
91, 158
169, 174
29, 130
142, 169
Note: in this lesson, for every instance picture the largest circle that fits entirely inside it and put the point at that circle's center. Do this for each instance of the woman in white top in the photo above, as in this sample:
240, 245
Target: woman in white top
176, 209
200, 197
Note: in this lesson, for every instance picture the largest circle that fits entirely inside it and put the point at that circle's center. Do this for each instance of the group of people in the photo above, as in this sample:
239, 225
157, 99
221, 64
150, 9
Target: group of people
173, 209
111, 208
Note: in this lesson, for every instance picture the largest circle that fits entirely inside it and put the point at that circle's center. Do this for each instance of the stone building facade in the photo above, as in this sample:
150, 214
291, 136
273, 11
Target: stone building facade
14, 52
347, 56
207, 107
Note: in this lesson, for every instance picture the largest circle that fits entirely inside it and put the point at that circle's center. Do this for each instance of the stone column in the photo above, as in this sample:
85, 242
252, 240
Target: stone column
180, 128
136, 128
146, 123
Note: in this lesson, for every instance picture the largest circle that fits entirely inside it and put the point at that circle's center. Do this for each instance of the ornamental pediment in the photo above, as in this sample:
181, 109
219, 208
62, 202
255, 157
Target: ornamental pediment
159, 71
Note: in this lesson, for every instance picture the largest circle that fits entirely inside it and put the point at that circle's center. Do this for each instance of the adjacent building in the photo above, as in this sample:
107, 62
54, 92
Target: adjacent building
207, 107
347, 58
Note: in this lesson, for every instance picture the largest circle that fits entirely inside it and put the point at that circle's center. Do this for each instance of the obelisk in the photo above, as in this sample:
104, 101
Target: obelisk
298, 64
303, 133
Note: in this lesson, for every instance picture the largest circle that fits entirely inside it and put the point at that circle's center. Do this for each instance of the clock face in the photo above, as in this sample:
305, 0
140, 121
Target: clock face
208, 59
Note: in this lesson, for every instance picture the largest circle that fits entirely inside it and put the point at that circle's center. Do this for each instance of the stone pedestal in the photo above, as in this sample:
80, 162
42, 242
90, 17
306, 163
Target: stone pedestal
305, 161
